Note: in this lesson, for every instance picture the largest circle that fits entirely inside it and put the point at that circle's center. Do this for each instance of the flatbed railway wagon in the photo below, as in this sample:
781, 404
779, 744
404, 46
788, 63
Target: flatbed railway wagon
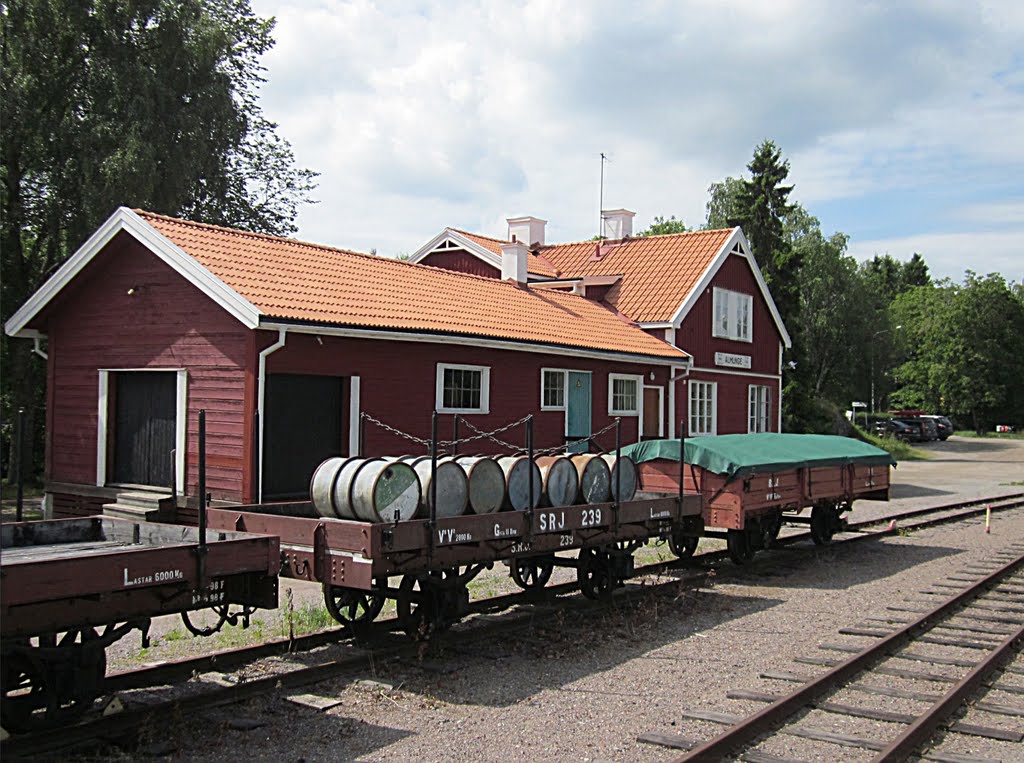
71, 587
434, 559
750, 485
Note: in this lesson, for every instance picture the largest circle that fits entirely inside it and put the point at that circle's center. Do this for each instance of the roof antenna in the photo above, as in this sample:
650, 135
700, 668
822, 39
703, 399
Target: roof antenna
600, 203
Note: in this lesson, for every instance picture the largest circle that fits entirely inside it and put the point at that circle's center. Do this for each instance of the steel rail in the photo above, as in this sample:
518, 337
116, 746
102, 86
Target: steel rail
730, 741
185, 667
124, 722
921, 730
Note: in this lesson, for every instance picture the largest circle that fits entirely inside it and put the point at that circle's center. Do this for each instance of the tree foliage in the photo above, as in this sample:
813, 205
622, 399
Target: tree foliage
964, 347
142, 103
661, 226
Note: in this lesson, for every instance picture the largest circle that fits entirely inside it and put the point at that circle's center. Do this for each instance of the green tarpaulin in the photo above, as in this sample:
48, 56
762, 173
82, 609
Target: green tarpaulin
737, 455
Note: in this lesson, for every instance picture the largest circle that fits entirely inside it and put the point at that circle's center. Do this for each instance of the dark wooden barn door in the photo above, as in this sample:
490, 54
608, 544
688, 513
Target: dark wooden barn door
303, 425
145, 404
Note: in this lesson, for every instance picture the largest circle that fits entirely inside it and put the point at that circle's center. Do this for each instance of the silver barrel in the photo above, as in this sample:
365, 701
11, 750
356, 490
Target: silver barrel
595, 478
382, 492
517, 480
486, 483
561, 482
321, 487
628, 478
452, 485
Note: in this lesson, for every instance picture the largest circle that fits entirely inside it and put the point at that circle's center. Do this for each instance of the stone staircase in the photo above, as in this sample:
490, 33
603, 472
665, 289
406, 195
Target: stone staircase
141, 505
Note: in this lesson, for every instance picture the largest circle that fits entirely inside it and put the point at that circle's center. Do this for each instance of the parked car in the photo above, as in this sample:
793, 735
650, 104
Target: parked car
943, 426
897, 429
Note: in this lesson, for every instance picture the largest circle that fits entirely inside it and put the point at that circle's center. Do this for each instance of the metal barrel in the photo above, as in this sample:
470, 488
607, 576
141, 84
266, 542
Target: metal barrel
628, 478
561, 482
517, 482
486, 483
382, 491
452, 485
595, 478
321, 486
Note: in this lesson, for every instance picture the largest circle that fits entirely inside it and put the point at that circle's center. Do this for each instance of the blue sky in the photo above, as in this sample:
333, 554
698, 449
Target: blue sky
903, 121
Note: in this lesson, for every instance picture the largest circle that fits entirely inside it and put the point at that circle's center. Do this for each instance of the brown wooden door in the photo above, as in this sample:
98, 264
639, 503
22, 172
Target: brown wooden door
652, 423
145, 418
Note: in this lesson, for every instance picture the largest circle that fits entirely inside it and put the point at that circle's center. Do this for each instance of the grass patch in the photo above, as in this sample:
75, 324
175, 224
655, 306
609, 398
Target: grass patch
901, 451
990, 435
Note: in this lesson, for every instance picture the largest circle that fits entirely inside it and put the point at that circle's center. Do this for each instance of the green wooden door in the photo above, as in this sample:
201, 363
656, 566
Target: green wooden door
578, 409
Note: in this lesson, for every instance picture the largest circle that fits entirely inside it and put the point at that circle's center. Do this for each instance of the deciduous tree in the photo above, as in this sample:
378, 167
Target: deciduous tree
143, 103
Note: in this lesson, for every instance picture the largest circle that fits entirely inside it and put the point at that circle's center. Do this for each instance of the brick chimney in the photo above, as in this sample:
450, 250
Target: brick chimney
529, 230
618, 223
513, 261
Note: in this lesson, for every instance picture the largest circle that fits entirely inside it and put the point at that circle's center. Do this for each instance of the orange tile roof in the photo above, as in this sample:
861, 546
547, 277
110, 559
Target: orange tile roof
658, 272
536, 265
291, 280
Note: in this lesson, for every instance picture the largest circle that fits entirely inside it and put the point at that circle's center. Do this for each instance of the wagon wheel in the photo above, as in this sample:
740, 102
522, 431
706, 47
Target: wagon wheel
741, 550
352, 607
220, 610
417, 607
771, 526
593, 574
824, 522
532, 572
683, 546
24, 690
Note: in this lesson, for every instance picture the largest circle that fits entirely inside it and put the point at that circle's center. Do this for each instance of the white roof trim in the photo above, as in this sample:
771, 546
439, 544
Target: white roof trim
183, 263
477, 341
463, 241
736, 237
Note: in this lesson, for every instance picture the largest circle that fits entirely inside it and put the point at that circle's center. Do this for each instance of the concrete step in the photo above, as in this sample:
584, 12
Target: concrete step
141, 505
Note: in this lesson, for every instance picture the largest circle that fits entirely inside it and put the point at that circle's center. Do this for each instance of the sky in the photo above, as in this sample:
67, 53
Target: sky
903, 122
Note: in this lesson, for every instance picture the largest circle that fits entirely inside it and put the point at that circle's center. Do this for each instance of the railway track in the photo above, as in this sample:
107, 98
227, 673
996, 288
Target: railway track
985, 616
385, 645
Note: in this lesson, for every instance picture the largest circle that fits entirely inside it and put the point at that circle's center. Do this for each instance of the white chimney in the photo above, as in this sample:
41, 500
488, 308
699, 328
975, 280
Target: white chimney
618, 223
529, 230
513, 261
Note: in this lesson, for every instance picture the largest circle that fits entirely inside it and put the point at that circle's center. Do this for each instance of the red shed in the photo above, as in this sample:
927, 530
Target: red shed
700, 291
285, 344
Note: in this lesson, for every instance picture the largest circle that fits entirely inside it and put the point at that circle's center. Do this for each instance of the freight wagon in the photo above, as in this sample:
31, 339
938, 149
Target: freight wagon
750, 485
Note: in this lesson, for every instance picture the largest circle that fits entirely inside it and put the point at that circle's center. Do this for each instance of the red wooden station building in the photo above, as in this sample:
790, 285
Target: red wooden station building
285, 344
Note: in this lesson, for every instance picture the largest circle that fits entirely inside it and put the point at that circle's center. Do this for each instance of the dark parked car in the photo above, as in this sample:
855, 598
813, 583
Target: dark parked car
943, 426
898, 430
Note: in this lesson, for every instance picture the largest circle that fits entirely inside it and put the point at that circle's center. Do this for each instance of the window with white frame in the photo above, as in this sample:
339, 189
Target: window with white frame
703, 406
462, 389
733, 315
623, 395
759, 408
552, 389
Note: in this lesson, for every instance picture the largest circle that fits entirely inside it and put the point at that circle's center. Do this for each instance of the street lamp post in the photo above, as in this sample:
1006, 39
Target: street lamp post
873, 338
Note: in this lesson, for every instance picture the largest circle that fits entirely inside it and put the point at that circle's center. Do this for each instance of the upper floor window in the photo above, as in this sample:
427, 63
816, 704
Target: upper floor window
733, 315
462, 389
623, 395
759, 407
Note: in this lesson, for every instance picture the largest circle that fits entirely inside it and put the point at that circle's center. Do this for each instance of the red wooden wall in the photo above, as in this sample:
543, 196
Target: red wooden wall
461, 261
167, 323
397, 380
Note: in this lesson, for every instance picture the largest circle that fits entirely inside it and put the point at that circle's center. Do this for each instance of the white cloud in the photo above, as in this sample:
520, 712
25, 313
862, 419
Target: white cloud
950, 254
421, 115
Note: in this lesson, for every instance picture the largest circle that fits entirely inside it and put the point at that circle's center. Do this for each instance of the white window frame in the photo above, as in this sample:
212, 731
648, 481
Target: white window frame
485, 388
691, 430
759, 406
638, 381
732, 305
565, 388
180, 421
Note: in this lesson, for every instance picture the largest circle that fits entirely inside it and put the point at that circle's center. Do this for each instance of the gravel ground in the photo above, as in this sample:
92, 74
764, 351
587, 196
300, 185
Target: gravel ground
581, 686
